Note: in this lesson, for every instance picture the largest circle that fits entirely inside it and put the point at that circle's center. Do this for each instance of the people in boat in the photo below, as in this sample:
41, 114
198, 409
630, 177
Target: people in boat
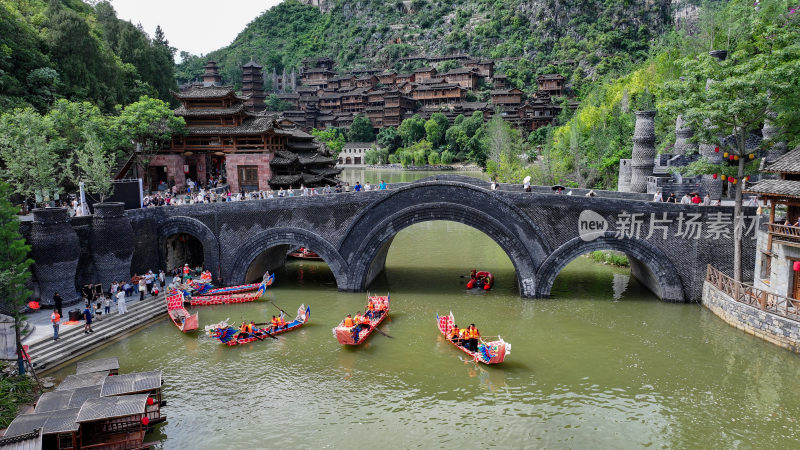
463, 336
455, 335
472, 338
361, 323
370, 310
243, 331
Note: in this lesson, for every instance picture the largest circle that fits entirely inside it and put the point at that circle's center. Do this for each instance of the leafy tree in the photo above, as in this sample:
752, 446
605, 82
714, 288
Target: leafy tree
95, 164
361, 130
14, 267
446, 157
274, 103
148, 124
389, 139
333, 138
435, 129
30, 162
377, 156
412, 130
759, 77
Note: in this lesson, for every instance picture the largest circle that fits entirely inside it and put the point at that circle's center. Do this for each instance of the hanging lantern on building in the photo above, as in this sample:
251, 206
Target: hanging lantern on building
747, 178
725, 155
751, 156
735, 157
150, 401
796, 266
716, 149
733, 180
724, 178
714, 176
219, 153
145, 421
730, 158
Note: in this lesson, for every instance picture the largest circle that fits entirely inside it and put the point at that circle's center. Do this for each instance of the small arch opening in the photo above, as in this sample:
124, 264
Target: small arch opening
183, 248
292, 263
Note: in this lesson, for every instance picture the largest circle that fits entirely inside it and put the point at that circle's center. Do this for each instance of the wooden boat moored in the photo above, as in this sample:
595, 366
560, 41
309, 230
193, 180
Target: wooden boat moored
492, 352
179, 315
304, 253
228, 334
347, 336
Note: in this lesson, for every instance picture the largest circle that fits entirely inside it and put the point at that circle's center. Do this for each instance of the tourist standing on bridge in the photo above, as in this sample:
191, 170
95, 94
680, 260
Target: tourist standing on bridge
685, 200
382, 186
657, 197
357, 187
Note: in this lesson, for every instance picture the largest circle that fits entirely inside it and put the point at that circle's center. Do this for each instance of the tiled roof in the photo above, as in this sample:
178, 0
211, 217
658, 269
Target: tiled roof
192, 112
284, 180
111, 407
314, 158
425, 69
255, 125
252, 64
460, 71
359, 145
778, 188
551, 76
433, 87
788, 163
205, 92
60, 421
505, 91
97, 365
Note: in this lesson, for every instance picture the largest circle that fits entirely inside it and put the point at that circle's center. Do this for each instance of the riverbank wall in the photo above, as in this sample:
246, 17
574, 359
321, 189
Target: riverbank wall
773, 328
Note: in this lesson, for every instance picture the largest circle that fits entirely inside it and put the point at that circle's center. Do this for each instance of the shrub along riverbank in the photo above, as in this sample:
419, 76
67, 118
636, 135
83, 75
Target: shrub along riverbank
610, 258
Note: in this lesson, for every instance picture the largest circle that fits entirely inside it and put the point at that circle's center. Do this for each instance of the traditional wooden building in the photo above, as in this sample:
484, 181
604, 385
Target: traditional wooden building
438, 93
366, 81
303, 163
551, 84
465, 77
405, 78
506, 97
423, 73
396, 107
317, 76
387, 78
253, 87
485, 67
500, 81
777, 267
211, 76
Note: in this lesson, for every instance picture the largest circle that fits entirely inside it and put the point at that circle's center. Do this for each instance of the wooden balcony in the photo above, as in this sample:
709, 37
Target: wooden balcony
764, 300
784, 232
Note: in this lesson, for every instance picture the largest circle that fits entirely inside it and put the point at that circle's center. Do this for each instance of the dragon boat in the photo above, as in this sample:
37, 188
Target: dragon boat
304, 253
233, 294
492, 352
179, 315
481, 280
229, 335
347, 336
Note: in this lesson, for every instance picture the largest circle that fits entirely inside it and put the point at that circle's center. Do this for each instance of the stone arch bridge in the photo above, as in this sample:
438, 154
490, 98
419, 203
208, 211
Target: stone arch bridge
669, 245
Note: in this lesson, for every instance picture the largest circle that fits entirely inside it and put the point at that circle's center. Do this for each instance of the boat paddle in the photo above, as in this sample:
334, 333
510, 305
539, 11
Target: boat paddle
381, 332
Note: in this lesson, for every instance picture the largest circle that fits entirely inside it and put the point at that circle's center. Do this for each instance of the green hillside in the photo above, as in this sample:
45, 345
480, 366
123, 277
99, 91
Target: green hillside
581, 39
69, 49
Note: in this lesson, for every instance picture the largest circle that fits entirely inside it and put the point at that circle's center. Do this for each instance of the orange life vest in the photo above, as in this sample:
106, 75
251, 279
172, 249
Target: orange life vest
275, 322
370, 307
249, 328
474, 334
348, 322
281, 322
454, 333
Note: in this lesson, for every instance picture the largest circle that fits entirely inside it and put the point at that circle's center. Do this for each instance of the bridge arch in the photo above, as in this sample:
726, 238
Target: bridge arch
193, 227
663, 276
367, 241
247, 252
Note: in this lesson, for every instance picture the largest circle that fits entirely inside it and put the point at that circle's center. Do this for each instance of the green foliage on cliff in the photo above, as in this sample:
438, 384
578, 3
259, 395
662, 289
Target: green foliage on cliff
69, 49
580, 39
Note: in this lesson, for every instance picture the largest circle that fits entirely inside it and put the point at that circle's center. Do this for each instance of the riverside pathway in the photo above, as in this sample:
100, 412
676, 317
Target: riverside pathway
46, 353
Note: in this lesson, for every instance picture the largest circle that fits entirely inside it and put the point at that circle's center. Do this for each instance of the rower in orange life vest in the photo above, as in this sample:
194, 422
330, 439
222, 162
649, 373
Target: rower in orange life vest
348, 321
473, 279
370, 310
361, 323
472, 336
243, 330
455, 335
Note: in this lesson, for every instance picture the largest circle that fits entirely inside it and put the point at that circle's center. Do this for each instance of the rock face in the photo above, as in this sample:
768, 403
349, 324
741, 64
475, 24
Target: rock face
112, 243
644, 150
683, 134
55, 248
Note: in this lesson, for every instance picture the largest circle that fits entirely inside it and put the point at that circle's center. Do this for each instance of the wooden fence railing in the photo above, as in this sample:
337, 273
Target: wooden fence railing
787, 231
767, 301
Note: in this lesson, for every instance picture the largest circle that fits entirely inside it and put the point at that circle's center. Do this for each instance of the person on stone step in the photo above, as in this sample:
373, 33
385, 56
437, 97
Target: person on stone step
87, 317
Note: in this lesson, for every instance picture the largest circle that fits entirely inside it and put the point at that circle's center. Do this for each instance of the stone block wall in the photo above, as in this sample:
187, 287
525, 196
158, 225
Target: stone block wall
260, 160
772, 328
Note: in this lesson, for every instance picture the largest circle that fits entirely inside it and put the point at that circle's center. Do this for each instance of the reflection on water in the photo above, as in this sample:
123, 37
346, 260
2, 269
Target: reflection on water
601, 364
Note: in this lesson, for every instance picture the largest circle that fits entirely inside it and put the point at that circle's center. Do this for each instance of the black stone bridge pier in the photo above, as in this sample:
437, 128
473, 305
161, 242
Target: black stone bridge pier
669, 245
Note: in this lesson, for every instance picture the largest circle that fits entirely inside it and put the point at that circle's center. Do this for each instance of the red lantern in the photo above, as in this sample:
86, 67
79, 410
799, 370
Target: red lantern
733, 180
34, 305
716, 149
715, 176
145, 421
796, 266
730, 158
150, 401
747, 178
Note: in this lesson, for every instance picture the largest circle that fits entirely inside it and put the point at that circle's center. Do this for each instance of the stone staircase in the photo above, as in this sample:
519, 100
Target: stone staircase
46, 353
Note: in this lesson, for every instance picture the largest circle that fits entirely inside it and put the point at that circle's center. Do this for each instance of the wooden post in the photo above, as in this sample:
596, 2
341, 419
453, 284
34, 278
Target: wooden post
771, 221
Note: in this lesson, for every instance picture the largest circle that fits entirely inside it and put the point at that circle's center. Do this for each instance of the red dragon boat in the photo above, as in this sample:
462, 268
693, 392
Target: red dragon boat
481, 280
234, 294
179, 315
492, 352
304, 253
346, 336
228, 335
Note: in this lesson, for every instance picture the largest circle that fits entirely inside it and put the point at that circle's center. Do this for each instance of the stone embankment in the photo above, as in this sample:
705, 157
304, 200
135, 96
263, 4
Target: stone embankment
46, 353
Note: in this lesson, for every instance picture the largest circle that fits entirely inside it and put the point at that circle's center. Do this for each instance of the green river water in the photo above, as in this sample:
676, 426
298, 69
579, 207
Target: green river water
602, 364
